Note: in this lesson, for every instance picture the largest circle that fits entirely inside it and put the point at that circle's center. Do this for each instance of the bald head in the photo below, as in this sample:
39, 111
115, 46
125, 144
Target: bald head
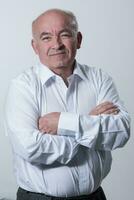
56, 39
70, 19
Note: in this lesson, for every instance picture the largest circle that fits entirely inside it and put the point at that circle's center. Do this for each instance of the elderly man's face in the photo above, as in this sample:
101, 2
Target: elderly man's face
54, 41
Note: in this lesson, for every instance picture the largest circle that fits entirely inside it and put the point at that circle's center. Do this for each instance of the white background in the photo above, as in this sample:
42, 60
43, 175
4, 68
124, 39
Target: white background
108, 42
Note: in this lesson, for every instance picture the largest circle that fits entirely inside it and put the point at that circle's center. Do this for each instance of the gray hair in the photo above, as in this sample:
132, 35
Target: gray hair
71, 16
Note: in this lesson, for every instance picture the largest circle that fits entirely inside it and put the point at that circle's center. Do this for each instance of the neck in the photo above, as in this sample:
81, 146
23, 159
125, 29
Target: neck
64, 72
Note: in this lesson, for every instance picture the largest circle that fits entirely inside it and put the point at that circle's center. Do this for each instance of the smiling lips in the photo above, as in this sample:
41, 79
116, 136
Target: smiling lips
55, 53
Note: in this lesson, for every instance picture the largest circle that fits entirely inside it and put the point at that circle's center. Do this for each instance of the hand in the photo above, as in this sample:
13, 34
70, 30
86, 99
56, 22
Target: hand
49, 123
105, 108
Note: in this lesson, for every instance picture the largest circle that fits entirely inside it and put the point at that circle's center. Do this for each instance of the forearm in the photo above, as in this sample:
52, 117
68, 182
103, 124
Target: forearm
102, 132
99, 130
38, 148
21, 116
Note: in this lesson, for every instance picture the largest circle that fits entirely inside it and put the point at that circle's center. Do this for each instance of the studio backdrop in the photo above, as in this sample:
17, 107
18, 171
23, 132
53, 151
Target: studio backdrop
108, 43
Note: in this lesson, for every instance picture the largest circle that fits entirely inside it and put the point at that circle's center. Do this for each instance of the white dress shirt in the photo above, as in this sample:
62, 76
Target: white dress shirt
75, 161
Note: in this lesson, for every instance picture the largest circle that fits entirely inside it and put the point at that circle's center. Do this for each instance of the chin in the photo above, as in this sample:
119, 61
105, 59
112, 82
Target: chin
59, 65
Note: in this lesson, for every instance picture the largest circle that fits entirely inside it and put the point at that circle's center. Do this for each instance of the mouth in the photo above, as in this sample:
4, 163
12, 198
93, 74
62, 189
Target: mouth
57, 53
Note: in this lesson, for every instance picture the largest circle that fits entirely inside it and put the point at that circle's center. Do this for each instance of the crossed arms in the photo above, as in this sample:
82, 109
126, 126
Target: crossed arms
54, 138
49, 122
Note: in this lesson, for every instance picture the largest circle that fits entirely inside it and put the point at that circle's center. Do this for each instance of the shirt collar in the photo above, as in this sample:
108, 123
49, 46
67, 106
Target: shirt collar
78, 71
46, 74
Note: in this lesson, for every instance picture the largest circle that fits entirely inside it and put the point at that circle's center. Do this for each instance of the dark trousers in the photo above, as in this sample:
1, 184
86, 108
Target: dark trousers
26, 195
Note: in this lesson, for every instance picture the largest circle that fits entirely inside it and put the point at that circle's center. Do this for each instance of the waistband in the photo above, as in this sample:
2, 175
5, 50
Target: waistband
48, 197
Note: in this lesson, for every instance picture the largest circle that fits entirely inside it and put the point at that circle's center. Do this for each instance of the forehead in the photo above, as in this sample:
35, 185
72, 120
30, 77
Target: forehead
52, 21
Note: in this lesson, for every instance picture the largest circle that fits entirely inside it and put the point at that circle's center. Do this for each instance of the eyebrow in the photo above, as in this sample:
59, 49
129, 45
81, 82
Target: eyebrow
48, 33
44, 33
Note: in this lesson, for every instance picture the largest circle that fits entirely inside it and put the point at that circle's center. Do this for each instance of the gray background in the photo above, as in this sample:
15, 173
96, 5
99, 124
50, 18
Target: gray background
108, 30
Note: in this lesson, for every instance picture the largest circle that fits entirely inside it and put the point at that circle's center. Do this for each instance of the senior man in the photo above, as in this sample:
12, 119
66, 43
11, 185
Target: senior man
63, 118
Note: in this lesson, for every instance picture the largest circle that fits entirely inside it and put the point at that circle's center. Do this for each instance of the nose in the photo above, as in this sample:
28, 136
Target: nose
57, 43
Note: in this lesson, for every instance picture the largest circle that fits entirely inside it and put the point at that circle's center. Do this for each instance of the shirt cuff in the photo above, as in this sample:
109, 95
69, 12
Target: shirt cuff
68, 124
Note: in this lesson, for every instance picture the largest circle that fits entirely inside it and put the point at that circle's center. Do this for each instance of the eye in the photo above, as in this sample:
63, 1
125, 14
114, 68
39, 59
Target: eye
66, 35
46, 38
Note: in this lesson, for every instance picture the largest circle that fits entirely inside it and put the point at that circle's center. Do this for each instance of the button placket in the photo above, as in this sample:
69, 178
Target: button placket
70, 96
61, 91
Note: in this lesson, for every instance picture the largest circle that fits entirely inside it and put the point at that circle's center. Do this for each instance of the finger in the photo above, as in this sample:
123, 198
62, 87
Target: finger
104, 104
43, 130
101, 108
107, 108
40, 126
107, 105
111, 111
42, 123
117, 111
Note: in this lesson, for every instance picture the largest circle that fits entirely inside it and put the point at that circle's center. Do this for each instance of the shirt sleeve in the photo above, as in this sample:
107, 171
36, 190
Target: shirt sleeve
21, 116
100, 132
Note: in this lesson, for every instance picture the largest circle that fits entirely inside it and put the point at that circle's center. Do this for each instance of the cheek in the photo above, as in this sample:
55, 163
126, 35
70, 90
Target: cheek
73, 49
43, 50
72, 46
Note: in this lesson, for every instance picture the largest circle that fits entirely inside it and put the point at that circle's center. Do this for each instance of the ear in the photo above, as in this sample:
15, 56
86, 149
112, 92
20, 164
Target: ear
79, 40
34, 45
